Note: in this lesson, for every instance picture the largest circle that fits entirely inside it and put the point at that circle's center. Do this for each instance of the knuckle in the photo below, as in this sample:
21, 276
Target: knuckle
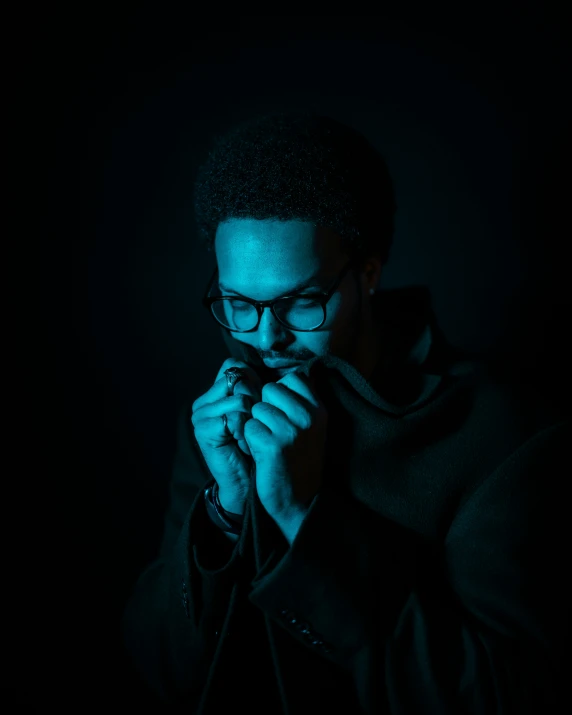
202, 423
257, 408
198, 429
196, 416
268, 387
233, 362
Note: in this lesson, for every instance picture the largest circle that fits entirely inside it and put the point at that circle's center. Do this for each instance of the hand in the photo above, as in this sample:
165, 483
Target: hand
226, 453
287, 437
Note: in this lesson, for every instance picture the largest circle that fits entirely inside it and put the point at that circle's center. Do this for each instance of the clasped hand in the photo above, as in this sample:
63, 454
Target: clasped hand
286, 437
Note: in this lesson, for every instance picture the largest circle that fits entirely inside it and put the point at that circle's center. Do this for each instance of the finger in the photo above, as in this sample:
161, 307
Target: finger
213, 394
276, 419
249, 383
235, 425
302, 385
249, 386
213, 432
249, 373
235, 422
233, 403
295, 407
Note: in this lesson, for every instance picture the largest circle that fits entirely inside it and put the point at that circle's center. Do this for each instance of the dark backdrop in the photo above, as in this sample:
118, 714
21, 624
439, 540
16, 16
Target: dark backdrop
470, 114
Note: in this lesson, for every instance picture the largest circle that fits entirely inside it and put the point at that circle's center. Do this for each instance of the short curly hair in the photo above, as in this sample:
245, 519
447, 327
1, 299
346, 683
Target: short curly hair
299, 165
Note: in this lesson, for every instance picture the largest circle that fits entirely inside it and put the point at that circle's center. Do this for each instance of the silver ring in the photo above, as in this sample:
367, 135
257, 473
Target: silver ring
224, 421
233, 375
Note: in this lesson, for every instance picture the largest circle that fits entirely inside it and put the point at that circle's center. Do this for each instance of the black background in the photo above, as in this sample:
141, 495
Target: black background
470, 113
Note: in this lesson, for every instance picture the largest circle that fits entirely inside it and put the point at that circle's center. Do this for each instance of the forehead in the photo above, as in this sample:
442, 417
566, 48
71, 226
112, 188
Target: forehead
270, 237
263, 259
247, 246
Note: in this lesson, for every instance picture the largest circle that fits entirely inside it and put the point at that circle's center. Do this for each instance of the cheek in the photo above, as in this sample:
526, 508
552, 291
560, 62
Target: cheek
340, 325
316, 343
246, 338
338, 315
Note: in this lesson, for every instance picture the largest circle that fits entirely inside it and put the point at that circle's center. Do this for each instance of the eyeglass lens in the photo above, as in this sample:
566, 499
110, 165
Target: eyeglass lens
296, 313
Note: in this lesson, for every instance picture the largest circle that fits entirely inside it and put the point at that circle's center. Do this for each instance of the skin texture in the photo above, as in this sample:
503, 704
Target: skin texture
263, 259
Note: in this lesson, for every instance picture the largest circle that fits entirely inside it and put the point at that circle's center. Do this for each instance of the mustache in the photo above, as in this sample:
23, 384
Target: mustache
285, 358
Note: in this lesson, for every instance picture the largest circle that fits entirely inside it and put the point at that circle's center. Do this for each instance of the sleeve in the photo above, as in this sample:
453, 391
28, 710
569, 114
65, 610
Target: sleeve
179, 604
475, 625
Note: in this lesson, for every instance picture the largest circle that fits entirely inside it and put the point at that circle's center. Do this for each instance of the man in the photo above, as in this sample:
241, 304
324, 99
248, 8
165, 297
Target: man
361, 520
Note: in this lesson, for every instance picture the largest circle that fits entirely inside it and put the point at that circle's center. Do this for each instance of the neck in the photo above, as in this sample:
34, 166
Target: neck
368, 349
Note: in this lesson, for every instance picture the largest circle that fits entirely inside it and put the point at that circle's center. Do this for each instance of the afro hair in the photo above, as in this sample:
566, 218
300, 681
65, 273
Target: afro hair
299, 165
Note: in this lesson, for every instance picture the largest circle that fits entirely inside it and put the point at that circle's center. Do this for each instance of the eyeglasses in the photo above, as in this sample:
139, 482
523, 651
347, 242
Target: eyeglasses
303, 313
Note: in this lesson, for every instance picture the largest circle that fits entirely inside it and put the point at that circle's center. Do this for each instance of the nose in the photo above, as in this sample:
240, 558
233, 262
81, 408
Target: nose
272, 333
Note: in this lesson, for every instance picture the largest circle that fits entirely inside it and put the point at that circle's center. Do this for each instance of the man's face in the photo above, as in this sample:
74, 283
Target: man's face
264, 259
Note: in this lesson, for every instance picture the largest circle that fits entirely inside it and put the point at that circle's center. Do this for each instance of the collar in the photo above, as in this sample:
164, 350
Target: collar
416, 354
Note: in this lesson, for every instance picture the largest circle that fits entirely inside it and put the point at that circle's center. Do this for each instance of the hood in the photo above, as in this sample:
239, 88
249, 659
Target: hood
416, 355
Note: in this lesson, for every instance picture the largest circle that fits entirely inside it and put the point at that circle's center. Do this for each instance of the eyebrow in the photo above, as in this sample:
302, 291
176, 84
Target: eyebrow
310, 282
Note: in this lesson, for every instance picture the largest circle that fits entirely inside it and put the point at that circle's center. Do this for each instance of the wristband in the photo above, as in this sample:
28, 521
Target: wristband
226, 521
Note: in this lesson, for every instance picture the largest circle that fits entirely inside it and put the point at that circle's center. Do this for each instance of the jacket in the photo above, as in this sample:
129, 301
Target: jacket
427, 578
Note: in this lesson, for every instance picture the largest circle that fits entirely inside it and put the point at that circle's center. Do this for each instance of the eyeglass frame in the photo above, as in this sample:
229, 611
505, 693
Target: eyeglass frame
321, 297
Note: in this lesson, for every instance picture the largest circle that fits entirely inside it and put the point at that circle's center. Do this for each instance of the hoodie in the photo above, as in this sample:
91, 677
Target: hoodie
426, 577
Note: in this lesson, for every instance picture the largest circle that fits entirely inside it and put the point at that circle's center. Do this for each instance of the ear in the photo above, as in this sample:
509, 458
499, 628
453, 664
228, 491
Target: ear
371, 273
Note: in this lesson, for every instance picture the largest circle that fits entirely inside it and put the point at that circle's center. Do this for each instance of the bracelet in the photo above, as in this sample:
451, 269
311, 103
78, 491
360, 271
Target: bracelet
226, 521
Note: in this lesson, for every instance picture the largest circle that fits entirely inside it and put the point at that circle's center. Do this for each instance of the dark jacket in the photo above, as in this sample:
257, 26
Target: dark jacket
428, 577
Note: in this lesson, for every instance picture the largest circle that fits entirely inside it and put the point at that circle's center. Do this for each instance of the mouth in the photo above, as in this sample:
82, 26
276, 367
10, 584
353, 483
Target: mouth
281, 365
